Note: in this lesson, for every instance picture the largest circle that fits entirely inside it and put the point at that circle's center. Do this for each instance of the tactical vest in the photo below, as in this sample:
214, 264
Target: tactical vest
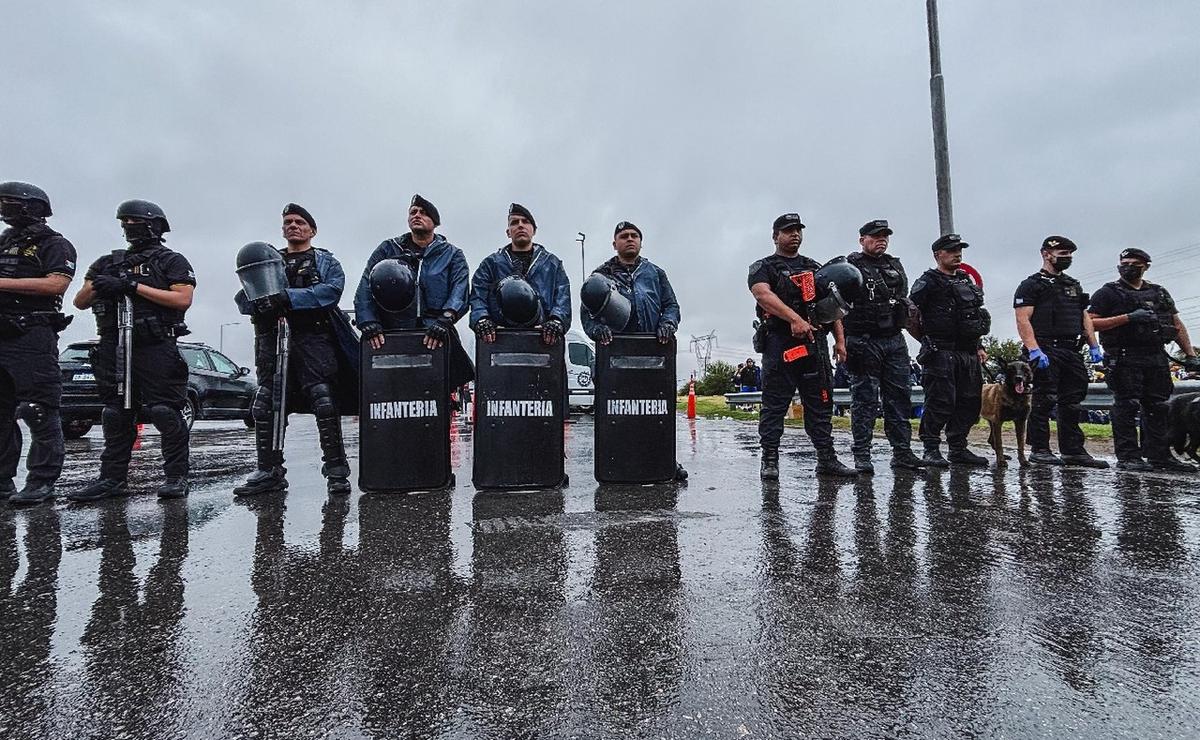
1148, 335
19, 258
955, 313
302, 272
151, 321
787, 288
877, 310
1058, 314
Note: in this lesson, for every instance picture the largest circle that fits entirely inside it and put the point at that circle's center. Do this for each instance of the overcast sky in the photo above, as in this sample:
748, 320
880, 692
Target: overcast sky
699, 122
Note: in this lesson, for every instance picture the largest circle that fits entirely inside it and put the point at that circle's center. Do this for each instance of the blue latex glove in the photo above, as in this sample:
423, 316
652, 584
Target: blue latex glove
1039, 358
1096, 354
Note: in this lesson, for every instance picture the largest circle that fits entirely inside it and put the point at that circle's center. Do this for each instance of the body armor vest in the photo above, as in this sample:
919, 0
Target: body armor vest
1058, 314
1148, 335
787, 287
955, 313
151, 321
19, 258
301, 270
878, 310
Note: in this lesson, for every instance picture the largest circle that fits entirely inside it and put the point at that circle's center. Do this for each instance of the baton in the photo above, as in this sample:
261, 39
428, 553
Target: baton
279, 383
124, 358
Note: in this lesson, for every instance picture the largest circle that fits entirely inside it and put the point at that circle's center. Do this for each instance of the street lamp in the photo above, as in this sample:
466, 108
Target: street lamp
582, 259
221, 343
937, 103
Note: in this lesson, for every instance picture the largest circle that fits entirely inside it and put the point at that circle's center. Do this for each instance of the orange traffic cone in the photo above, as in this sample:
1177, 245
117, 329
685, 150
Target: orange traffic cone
692, 398
137, 440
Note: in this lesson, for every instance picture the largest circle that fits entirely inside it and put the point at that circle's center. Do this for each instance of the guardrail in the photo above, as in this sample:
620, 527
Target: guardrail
1099, 397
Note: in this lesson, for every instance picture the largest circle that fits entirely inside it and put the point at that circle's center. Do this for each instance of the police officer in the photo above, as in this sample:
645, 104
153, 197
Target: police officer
1136, 319
953, 322
322, 355
877, 360
160, 283
793, 351
526, 259
36, 266
1052, 322
645, 284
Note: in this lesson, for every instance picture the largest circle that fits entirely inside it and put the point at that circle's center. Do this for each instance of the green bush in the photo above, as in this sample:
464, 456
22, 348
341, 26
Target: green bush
716, 381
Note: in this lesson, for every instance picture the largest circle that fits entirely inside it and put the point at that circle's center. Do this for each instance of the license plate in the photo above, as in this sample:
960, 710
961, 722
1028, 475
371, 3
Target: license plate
84, 376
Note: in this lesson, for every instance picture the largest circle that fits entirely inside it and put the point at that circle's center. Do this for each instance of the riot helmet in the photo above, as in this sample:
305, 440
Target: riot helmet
606, 303
393, 285
20, 201
519, 304
838, 285
261, 271
147, 221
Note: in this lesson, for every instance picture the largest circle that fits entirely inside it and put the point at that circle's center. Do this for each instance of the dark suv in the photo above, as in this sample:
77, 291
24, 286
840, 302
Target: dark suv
217, 388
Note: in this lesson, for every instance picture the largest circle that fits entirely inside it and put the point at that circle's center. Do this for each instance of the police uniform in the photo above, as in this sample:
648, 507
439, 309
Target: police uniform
953, 322
158, 372
877, 360
30, 380
1137, 369
1058, 303
805, 370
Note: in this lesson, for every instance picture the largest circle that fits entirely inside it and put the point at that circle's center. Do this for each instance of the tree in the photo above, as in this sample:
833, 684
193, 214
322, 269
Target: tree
1003, 352
716, 381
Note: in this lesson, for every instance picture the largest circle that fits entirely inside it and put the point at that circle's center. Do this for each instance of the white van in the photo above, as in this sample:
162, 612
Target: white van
581, 367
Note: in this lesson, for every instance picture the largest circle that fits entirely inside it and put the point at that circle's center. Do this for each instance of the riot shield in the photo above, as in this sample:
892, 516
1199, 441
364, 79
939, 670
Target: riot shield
635, 410
520, 394
404, 419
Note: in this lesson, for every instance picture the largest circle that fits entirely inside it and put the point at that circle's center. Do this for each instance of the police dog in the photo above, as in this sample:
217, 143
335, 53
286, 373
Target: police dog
1183, 424
1008, 401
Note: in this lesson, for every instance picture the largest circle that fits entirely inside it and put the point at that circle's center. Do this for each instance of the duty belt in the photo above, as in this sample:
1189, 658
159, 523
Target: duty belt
1061, 343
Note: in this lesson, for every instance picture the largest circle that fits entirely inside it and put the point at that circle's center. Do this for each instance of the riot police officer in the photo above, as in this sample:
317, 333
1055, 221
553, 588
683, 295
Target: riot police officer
36, 266
794, 350
643, 283
953, 322
159, 283
877, 358
322, 356
1052, 322
532, 262
1136, 319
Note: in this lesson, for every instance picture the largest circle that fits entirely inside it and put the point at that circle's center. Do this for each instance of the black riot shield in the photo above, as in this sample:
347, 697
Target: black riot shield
404, 417
635, 410
520, 403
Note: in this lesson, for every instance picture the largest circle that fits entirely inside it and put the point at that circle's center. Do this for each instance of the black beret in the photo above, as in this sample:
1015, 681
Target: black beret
429, 208
1058, 242
786, 221
878, 226
950, 241
292, 209
1137, 254
516, 209
626, 225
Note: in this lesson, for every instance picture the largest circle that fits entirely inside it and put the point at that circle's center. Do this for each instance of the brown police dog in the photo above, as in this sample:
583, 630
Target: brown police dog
1008, 401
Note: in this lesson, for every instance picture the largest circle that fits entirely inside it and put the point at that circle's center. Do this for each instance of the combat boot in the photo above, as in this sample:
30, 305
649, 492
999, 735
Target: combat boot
681, 475
7, 488
1171, 465
100, 489
829, 464
933, 458
1136, 465
770, 464
176, 487
863, 465
1044, 457
33, 493
906, 460
337, 478
966, 457
1084, 460
263, 481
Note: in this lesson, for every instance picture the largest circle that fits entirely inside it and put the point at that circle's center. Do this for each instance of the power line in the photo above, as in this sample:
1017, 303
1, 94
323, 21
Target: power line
703, 348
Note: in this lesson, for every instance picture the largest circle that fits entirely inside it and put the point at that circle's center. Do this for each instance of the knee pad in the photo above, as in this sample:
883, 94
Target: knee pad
321, 396
166, 418
115, 418
32, 412
260, 410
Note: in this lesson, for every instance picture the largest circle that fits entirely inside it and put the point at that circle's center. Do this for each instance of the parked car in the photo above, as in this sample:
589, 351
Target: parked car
217, 388
581, 368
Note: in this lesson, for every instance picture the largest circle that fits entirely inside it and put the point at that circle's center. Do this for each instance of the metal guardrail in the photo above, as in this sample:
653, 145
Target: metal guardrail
1099, 397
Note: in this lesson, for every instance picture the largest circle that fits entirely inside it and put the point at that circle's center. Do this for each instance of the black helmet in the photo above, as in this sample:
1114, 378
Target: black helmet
393, 285
605, 302
35, 202
519, 304
838, 286
261, 271
146, 211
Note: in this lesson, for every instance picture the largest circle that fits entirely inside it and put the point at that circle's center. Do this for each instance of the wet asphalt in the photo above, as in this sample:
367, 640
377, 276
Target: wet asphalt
1013, 603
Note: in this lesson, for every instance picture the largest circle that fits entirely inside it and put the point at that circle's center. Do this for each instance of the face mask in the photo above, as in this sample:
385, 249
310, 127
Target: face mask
14, 212
1131, 273
1062, 263
139, 231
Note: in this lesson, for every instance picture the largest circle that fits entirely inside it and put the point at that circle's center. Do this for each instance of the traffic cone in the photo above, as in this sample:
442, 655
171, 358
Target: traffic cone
137, 440
692, 398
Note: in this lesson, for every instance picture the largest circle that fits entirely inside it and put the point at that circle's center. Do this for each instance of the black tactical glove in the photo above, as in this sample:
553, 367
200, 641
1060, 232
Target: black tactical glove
439, 330
603, 334
111, 286
371, 329
485, 328
552, 330
666, 330
272, 305
1142, 316
1192, 364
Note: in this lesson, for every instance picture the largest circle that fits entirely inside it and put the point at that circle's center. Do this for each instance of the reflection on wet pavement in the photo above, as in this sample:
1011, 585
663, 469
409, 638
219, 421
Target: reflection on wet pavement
1021, 603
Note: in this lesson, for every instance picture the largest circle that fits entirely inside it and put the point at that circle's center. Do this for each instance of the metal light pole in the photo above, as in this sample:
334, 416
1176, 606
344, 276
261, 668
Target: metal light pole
937, 101
221, 343
582, 259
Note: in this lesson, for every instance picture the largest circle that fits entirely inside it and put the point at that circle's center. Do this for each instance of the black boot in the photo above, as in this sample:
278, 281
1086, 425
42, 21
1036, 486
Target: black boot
337, 478
933, 458
1136, 465
7, 488
829, 464
176, 487
680, 474
1170, 464
863, 464
1044, 457
1083, 460
770, 464
263, 481
34, 493
333, 452
100, 489
966, 457
906, 460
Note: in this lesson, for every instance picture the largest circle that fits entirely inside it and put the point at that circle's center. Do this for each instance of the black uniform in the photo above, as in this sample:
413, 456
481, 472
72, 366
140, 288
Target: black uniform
954, 320
159, 374
30, 383
1058, 302
877, 358
1137, 368
808, 375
